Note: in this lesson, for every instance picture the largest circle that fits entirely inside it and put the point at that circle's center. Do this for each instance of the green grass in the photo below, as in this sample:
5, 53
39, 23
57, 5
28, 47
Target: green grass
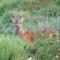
14, 48
11, 47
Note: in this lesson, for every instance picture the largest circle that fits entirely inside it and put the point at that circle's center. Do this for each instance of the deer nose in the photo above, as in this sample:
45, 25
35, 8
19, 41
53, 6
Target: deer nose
17, 27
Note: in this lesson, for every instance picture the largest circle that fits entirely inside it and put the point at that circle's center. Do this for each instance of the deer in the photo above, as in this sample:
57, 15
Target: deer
28, 36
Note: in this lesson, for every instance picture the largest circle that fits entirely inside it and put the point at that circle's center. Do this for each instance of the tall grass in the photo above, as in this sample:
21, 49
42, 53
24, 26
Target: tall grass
11, 47
14, 48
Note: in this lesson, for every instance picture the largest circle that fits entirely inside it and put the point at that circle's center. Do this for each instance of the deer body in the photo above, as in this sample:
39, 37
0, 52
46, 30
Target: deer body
28, 35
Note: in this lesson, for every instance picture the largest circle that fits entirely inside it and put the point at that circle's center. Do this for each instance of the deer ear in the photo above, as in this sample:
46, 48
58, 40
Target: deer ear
22, 18
13, 19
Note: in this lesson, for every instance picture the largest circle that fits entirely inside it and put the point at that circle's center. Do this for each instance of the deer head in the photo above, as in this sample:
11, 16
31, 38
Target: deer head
18, 21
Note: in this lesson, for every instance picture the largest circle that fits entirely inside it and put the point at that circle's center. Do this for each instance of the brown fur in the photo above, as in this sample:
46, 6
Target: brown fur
29, 36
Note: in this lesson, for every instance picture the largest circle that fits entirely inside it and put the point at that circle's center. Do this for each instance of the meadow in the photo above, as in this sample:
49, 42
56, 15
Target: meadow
39, 15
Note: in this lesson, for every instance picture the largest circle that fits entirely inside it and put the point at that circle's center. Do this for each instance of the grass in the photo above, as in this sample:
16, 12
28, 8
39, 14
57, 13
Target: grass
14, 48
11, 47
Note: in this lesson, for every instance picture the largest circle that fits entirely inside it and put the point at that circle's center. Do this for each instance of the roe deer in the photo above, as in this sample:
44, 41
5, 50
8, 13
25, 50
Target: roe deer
28, 35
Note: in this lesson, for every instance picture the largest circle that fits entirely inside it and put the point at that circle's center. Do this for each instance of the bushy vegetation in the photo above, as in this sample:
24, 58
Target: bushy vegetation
38, 15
